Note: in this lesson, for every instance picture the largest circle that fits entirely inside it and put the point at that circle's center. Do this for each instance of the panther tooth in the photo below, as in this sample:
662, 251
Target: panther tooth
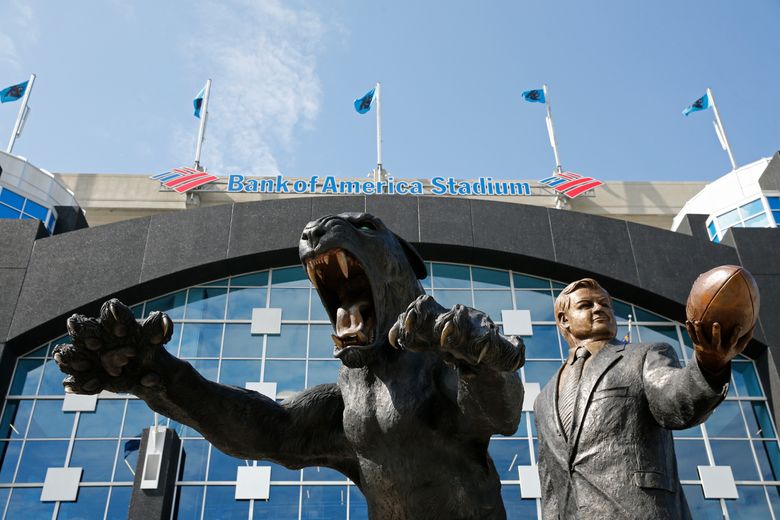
343, 264
337, 341
449, 328
312, 272
326, 259
482, 354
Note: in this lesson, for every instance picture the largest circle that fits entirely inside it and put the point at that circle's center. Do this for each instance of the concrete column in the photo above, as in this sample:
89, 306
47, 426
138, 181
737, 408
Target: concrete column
156, 504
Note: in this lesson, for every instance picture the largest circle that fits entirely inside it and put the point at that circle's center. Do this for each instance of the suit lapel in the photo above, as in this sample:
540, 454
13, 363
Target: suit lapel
603, 361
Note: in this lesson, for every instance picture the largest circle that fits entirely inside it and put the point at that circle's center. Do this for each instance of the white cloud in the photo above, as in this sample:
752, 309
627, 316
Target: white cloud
262, 56
19, 31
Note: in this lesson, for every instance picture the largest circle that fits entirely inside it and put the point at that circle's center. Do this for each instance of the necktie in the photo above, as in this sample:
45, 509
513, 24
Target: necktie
568, 397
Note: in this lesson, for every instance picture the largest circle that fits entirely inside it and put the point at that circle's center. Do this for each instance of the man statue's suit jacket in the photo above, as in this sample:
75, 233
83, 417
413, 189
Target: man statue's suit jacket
620, 461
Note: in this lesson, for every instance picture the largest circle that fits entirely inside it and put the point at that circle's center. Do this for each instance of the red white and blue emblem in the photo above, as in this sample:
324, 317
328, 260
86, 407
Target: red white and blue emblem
571, 184
184, 179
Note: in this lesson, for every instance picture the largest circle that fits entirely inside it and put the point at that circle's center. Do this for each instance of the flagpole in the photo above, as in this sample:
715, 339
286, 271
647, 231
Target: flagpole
22, 114
722, 135
378, 175
551, 130
204, 114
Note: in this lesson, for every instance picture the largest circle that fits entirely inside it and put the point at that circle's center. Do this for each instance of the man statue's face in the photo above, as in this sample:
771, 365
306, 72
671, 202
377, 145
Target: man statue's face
589, 315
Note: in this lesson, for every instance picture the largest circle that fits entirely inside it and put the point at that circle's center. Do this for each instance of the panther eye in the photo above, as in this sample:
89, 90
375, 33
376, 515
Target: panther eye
366, 226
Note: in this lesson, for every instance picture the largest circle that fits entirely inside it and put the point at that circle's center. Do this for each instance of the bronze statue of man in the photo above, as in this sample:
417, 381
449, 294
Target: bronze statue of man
604, 422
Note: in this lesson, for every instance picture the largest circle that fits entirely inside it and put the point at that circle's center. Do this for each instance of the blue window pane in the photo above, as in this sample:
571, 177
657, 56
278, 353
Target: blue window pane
746, 379
208, 368
242, 301
26, 503
49, 420
728, 219
659, 334
11, 198
701, 508
37, 457
493, 302
290, 277
189, 502
321, 372
223, 467
280, 474
540, 371
39, 352
450, 298
688, 432
737, 455
322, 473
447, 276
751, 208
622, 310
238, 373
239, 341
105, 421
750, 505
28, 373
776, 216
9, 456
222, 282
119, 502
318, 311
320, 341
36, 210
252, 280
711, 231
125, 465
529, 282
288, 376
172, 304
426, 282
517, 508
643, 315
97, 459
690, 453
507, 454
774, 203
282, 504
543, 344
137, 417
293, 302
51, 383
15, 418
193, 464
6, 212
768, 456
726, 421
540, 303
774, 498
358, 508
759, 221
200, 340
221, 504
758, 420
489, 278
91, 504
319, 502
206, 303
291, 343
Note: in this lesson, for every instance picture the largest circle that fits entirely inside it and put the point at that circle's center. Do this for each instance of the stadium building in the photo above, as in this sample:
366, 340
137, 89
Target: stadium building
209, 257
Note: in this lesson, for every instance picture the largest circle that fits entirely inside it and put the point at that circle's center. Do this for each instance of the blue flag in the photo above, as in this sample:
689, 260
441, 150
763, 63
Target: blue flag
534, 96
703, 103
198, 102
363, 104
13, 92
131, 446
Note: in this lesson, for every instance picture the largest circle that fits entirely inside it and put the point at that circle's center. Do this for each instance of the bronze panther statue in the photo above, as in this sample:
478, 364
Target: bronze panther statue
417, 398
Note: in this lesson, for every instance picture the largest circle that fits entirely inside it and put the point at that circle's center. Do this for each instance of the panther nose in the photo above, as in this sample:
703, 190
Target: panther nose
315, 230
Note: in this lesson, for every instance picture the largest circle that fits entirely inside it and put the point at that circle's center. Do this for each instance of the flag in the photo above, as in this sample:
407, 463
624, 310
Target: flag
703, 103
534, 96
131, 446
198, 102
13, 92
363, 104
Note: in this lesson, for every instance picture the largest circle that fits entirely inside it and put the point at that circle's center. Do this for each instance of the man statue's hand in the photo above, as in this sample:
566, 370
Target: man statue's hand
714, 354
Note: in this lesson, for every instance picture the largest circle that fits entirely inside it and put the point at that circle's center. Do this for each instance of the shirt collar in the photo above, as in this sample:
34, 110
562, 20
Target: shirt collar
593, 348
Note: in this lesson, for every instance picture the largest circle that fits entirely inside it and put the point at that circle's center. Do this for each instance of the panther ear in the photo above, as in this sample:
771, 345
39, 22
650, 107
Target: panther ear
415, 260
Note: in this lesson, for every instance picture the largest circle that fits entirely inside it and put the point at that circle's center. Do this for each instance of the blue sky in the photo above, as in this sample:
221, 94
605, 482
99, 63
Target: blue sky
116, 81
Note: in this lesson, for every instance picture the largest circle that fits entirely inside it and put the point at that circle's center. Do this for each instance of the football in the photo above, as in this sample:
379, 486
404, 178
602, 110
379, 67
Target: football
727, 295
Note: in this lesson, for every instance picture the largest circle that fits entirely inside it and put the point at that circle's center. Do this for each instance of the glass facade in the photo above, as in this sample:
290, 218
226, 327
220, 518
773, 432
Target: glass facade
212, 333
762, 212
15, 206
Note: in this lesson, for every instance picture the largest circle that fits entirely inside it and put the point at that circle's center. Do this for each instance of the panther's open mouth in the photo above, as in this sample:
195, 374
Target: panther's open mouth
345, 291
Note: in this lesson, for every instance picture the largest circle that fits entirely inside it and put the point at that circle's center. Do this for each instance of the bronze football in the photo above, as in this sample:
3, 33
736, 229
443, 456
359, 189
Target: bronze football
727, 295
